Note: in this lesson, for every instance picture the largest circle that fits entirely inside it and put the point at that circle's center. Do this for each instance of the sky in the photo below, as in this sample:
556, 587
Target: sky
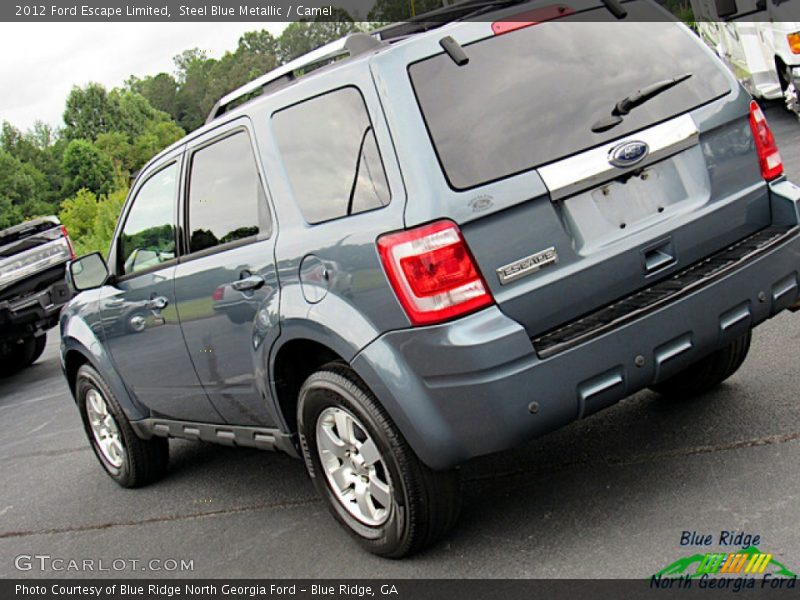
42, 61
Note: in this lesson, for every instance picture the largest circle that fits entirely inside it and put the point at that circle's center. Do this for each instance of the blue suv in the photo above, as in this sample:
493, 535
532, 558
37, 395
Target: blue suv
429, 243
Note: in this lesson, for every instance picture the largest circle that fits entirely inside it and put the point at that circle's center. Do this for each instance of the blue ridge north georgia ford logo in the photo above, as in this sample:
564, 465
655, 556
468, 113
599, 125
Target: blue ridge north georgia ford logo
627, 154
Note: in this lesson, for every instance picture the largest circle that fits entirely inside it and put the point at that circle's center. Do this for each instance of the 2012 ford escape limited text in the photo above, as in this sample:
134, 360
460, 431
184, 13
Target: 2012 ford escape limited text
443, 243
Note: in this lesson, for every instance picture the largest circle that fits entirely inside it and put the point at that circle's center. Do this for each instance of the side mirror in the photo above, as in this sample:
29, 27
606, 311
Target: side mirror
88, 272
726, 8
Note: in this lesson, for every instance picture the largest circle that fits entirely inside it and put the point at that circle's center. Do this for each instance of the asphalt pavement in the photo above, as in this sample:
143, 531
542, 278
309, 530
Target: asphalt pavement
605, 497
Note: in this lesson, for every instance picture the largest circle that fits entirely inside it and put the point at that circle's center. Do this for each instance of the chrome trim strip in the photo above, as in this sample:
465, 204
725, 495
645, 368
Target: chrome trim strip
590, 168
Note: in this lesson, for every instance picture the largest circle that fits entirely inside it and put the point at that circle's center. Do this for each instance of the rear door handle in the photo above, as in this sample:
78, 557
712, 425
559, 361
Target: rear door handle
253, 282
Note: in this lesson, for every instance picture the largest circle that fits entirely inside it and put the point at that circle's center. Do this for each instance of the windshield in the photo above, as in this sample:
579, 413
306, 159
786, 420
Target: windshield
531, 96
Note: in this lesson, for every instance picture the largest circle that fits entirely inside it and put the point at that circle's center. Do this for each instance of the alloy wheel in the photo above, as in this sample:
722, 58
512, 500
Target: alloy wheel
104, 428
354, 467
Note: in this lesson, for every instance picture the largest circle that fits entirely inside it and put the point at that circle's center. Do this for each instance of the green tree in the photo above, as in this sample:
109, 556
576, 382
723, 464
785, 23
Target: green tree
105, 220
9, 214
135, 112
153, 140
261, 43
193, 69
91, 219
77, 214
23, 185
85, 166
89, 112
160, 91
40, 149
116, 145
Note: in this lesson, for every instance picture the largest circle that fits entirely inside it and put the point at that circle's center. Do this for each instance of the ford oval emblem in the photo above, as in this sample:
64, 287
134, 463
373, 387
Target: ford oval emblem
628, 154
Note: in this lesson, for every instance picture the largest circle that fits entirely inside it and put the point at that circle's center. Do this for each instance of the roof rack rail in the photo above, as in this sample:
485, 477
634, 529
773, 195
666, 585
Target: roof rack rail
352, 45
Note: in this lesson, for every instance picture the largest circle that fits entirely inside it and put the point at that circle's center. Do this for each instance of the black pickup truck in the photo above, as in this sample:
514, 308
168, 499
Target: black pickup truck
33, 258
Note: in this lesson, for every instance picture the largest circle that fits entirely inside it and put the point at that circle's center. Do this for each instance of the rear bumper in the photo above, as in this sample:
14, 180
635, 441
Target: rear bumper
34, 312
476, 385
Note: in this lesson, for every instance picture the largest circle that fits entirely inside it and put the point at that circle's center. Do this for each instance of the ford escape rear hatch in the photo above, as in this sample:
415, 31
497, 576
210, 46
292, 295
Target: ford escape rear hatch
639, 137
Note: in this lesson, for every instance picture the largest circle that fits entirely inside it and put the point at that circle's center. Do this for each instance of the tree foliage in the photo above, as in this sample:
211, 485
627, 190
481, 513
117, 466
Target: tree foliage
86, 167
91, 219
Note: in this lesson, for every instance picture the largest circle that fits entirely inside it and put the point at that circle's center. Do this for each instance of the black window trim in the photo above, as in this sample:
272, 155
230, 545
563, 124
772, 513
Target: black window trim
119, 275
377, 145
268, 227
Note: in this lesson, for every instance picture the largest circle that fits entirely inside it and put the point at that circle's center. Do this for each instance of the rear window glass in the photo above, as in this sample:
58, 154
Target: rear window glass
331, 156
531, 96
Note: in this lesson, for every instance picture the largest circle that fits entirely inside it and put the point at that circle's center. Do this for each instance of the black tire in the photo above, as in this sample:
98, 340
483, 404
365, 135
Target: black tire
708, 372
22, 354
39, 344
424, 503
143, 461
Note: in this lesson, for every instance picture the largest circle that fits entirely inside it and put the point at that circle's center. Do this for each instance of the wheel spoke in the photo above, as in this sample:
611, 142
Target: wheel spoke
115, 448
110, 424
96, 401
344, 427
330, 443
342, 477
362, 500
380, 491
369, 452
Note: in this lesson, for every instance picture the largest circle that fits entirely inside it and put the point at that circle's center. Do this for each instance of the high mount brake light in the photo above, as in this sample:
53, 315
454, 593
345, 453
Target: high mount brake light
433, 273
532, 17
768, 156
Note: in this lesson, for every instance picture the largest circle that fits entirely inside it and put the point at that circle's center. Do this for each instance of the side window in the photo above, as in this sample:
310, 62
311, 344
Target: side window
225, 194
148, 237
331, 156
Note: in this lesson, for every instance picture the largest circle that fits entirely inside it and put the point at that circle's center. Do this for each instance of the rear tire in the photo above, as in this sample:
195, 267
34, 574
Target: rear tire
412, 507
128, 459
22, 354
708, 372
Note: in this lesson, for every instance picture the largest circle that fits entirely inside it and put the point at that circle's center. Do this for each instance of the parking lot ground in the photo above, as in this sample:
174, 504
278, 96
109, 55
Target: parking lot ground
605, 497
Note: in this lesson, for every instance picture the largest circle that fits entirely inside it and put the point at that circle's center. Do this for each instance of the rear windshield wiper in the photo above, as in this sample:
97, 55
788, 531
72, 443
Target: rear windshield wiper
627, 104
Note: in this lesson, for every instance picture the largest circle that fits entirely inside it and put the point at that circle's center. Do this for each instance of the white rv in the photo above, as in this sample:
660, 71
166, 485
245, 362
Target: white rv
760, 42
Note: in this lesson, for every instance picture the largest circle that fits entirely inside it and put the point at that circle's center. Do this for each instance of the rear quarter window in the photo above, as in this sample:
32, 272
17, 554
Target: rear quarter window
331, 156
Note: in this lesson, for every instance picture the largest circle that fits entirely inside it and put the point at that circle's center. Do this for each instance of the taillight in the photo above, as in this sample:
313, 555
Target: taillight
532, 17
65, 233
794, 42
433, 273
767, 149
218, 294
